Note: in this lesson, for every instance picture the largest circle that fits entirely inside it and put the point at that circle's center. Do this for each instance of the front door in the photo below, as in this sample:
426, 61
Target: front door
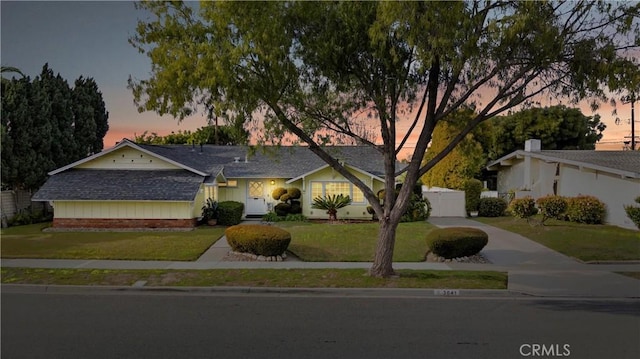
256, 203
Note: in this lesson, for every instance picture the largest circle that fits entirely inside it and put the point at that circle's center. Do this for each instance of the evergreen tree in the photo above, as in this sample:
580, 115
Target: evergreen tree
47, 125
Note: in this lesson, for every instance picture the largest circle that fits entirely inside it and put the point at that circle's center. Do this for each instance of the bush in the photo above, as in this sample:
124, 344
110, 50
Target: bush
455, 242
230, 213
296, 207
552, 207
419, 209
585, 209
472, 192
492, 207
282, 209
523, 207
258, 239
273, 217
277, 193
633, 212
295, 218
294, 193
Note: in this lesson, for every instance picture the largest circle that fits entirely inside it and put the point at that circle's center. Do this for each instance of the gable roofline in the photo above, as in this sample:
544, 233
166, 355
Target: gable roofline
125, 143
302, 176
505, 162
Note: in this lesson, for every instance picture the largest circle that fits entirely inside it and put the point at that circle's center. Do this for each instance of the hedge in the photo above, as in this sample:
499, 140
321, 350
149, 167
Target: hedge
492, 207
258, 239
230, 213
455, 242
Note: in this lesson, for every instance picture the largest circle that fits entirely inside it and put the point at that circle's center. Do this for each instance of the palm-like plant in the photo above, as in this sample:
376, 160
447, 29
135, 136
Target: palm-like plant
331, 204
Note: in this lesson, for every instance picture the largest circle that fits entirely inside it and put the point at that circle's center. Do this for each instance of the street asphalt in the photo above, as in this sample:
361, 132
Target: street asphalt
533, 269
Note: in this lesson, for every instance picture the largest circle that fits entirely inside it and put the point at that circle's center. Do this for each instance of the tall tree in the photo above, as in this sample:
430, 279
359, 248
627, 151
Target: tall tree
463, 162
46, 124
318, 69
558, 128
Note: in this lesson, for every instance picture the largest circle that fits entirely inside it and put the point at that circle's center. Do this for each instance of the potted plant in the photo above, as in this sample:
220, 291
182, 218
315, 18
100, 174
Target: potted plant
210, 212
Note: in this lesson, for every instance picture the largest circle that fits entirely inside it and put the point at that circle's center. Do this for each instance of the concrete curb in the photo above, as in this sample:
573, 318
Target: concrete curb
328, 292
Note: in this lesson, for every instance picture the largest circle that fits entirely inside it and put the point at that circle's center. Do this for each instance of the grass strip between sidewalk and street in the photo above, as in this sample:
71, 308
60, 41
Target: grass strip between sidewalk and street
284, 278
587, 242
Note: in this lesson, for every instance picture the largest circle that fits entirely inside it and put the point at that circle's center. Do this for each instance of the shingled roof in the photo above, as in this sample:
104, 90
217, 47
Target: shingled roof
198, 164
120, 185
268, 161
624, 163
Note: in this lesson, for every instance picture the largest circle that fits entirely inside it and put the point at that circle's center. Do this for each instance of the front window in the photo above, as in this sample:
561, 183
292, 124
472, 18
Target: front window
320, 189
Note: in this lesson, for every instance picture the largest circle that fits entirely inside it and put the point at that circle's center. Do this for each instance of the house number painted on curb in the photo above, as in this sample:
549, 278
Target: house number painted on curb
446, 292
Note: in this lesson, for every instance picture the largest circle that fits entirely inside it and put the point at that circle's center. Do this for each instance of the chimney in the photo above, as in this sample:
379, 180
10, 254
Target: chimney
533, 145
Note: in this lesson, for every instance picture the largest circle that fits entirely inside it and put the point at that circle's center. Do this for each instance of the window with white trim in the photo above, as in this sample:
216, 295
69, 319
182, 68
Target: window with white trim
320, 189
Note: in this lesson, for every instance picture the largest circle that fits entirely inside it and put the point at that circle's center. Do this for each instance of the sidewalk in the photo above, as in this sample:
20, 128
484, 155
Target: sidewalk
533, 269
537, 270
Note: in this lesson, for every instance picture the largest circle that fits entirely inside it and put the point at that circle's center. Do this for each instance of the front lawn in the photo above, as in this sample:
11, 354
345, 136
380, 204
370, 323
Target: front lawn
31, 242
355, 242
587, 242
292, 278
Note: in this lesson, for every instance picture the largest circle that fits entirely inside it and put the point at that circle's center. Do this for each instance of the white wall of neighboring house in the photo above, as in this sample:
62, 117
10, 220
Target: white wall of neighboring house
613, 190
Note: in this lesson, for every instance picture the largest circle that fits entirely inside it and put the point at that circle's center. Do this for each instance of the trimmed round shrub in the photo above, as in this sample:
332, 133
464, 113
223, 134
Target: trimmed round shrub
282, 209
294, 193
523, 207
552, 207
230, 213
492, 207
585, 209
296, 207
258, 239
455, 242
278, 192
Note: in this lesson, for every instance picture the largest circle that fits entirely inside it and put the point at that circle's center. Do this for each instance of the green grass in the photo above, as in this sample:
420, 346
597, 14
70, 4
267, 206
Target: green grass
31, 242
354, 242
290, 278
586, 242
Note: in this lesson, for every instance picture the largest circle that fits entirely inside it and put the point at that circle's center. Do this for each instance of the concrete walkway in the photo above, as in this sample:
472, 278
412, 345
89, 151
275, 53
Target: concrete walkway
533, 269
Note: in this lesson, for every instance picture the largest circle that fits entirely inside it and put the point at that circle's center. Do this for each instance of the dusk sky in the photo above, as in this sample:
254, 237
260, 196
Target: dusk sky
89, 38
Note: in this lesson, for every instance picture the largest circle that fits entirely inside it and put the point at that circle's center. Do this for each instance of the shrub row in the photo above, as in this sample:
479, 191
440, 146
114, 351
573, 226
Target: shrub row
580, 209
455, 242
274, 217
261, 240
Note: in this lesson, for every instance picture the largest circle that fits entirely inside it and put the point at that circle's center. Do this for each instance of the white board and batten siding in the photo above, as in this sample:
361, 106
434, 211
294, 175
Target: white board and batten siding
123, 209
128, 158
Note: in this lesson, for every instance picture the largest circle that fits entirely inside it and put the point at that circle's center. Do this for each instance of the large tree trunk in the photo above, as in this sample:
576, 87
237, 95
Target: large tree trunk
383, 258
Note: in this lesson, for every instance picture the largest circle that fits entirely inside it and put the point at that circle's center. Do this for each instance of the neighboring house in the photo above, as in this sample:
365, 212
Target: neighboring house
137, 186
611, 176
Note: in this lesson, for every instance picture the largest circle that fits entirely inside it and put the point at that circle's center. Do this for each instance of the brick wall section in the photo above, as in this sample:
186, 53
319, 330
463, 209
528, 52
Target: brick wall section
122, 223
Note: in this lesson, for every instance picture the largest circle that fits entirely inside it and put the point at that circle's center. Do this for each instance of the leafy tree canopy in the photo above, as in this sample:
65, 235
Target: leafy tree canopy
222, 135
329, 71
